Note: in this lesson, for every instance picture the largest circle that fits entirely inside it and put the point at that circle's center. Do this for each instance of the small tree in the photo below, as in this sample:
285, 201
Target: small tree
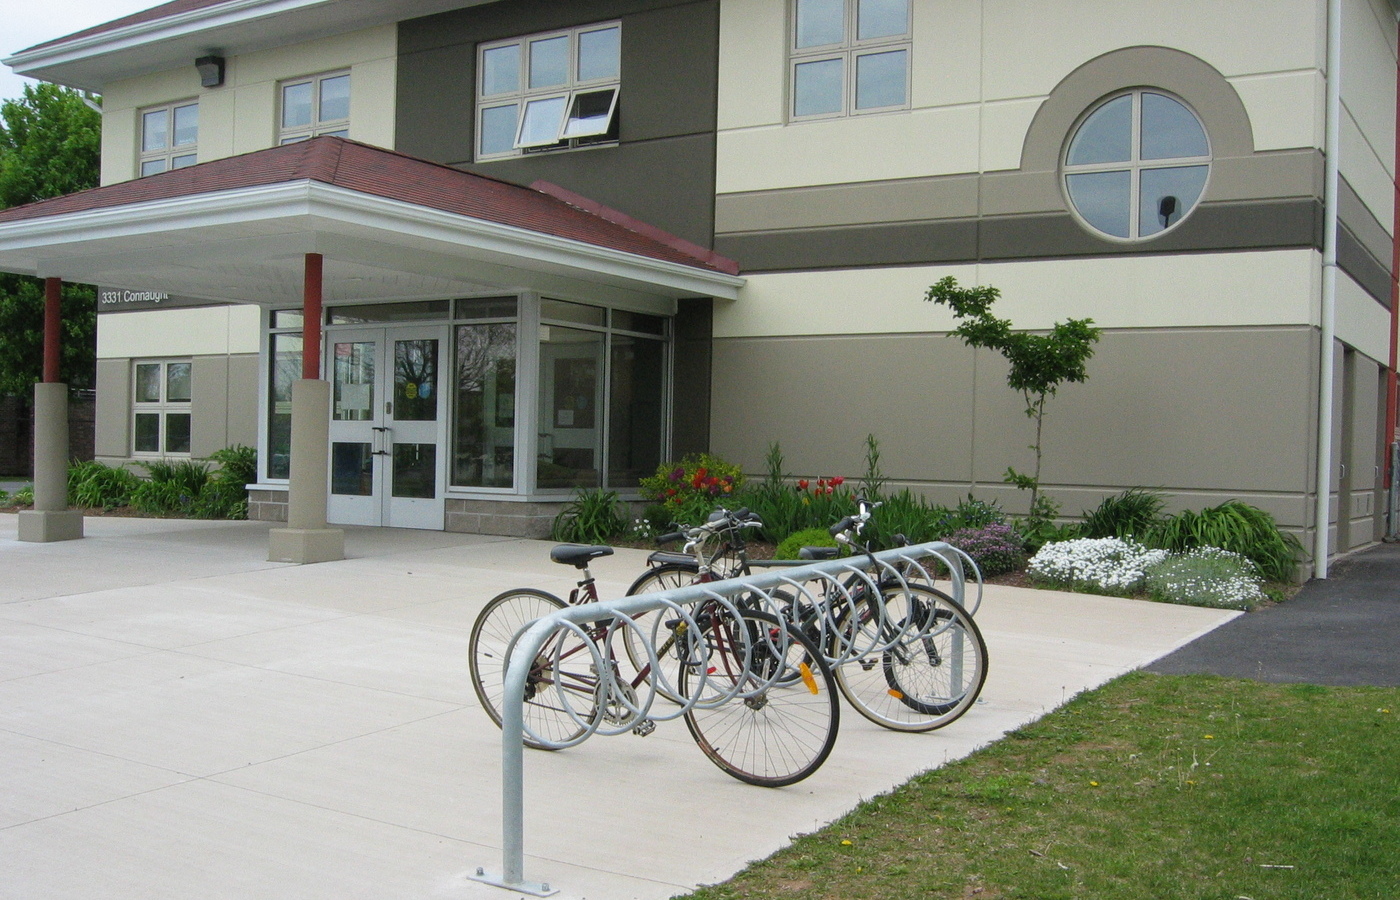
1040, 363
49, 145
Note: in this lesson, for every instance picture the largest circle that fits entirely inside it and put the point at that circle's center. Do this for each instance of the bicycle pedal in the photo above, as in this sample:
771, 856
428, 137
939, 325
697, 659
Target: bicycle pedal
644, 728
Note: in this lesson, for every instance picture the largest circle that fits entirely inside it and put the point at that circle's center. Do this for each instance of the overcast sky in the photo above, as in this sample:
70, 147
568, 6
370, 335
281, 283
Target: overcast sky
30, 22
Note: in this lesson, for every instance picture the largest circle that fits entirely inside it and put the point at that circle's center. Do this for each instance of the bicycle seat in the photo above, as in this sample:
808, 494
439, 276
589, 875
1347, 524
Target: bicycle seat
578, 555
819, 552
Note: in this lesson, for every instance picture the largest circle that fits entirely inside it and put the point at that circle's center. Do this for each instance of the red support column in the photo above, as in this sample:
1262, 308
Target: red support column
53, 326
311, 318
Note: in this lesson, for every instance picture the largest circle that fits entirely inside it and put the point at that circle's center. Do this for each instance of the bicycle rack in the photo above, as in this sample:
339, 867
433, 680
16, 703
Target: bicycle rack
901, 563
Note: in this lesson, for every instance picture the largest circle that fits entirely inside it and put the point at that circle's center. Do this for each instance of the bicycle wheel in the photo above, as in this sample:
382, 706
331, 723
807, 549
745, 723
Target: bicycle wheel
768, 734
669, 649
925, 671
564, 662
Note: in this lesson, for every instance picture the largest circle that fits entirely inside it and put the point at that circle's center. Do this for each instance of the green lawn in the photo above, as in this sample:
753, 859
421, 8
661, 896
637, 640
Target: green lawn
1152, 787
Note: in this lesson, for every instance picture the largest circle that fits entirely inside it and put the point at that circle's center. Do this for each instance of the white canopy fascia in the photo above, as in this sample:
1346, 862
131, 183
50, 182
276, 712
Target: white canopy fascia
268, 223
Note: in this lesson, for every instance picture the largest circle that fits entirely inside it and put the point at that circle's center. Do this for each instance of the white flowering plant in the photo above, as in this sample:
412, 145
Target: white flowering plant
1207, 576
1099, 565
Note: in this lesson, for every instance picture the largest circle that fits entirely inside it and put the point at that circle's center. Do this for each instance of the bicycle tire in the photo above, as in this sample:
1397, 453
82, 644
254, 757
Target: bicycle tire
493, 636
778, 735
930, 676
659, 578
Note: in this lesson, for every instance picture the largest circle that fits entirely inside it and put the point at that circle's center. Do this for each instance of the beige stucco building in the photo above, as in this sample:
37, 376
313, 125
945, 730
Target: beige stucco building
812, 167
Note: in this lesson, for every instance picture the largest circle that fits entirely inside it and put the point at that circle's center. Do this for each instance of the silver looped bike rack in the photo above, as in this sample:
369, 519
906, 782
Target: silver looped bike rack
815, 591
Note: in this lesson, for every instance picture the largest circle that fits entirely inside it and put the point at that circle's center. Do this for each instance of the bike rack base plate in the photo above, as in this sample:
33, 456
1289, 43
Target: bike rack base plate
533, 888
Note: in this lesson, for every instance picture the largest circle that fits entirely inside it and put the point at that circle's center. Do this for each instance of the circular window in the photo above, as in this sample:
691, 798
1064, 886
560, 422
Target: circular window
1136, 165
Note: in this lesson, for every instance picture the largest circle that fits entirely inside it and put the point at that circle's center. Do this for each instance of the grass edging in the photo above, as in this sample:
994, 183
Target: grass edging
1153, 787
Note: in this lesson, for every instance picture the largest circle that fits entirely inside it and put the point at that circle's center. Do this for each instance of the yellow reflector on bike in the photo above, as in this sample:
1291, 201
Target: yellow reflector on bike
898, 695
807, 678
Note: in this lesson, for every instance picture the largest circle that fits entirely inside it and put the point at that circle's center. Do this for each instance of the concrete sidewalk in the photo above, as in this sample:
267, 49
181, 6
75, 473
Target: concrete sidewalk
180, 718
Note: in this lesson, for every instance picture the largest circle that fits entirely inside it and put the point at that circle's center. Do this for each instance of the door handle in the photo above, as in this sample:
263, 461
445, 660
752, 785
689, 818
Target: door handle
382, 437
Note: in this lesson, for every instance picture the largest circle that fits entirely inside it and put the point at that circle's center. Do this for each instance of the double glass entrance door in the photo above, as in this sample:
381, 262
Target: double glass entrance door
388, 421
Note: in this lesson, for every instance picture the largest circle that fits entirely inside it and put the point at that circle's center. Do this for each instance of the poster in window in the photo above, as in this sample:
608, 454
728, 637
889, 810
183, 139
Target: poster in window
575, 381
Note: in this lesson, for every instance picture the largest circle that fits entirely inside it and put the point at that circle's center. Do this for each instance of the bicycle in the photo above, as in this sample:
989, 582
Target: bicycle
905, 654
731, 678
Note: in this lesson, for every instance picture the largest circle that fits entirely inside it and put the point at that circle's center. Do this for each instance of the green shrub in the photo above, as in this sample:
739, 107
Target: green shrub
24, 496
593, 517
160, 498
188, 476
237, 464
1134, 512
1238, 527
808, 537
774, 501
909, 514
1206, 576
4, 498
974, 513
92, 484
225, 494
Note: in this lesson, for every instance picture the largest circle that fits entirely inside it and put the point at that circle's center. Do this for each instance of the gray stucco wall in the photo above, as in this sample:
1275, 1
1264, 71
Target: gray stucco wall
661, 171
1205, 413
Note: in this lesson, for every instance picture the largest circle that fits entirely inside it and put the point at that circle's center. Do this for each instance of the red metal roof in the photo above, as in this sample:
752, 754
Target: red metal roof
162, 11
392, 176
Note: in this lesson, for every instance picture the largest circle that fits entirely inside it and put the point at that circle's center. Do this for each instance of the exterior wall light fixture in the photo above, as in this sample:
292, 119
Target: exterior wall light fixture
211, 70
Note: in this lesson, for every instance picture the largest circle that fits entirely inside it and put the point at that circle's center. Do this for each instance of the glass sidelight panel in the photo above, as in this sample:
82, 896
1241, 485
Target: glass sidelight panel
415, 380
570, 452
352, 469
415, 471
483, 435
285, 350
636, 409
354, 381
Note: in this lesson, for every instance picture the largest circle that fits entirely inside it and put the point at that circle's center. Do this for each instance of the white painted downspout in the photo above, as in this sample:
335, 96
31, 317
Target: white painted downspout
1332, 147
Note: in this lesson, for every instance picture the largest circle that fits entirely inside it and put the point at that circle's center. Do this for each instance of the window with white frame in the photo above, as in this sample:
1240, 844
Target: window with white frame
548, 91
1136, 164
169, 137
161, 408
849, 57
315, 105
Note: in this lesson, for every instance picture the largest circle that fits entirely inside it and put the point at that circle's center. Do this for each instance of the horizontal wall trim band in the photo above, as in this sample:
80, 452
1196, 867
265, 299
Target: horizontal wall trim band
1125, 330
1273, 175
1220, 227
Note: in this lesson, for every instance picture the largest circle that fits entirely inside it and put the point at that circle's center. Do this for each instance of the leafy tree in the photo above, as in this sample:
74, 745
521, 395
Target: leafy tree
1040, 363
50, 145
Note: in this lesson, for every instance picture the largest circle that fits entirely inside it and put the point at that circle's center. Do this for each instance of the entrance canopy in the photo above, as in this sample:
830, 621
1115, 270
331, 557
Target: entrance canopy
389, 226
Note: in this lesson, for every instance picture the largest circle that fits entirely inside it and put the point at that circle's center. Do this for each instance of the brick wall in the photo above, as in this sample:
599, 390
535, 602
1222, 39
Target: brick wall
17, 432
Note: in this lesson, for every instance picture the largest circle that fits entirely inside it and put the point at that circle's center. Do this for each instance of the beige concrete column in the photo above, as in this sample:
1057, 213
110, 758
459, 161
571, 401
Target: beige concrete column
307, 538
50, 519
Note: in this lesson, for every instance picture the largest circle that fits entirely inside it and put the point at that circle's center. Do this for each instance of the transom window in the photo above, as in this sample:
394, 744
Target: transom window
161, 408
1136, 165
318, 104
169, 137
849, 57
548, 91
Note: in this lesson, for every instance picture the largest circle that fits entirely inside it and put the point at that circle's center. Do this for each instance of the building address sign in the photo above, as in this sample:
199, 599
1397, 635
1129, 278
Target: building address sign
126, 300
